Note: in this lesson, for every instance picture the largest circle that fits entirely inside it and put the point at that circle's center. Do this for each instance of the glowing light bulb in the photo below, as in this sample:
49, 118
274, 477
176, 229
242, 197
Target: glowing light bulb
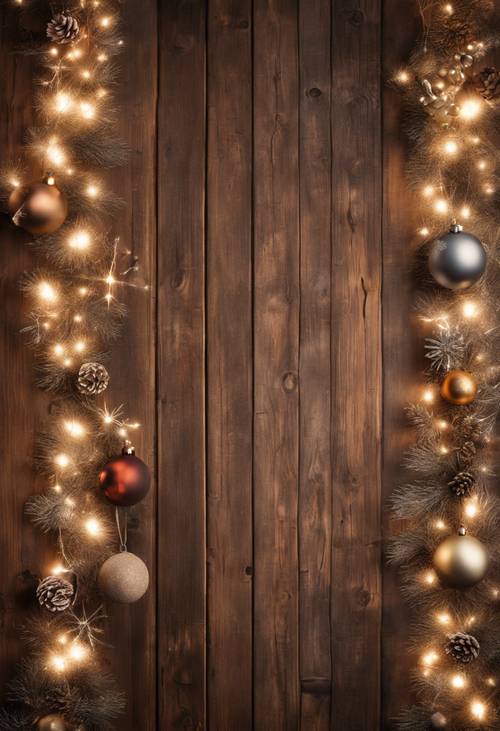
471, 510
74, 429
470, 109
443, 618
105, 22
428, 396
92, 526
450, 147
470, 310
441, 206
58, 569
63, 102
79, 240
478, 710
442, 424
92, 191
489, 189
465, 212
59, 349
428, 191
491, 682
77, 651
67, 362
482, 165
443, 449
102, 57
80, 346
87, 110
440, 525
448, 9
430, 577
110, 279
53, 51
495, 593
86, 74
424, 231
62, 639
58, 663
47, 292
62, 460
83, 291
55, 154
51, 180
457, 681
77, 318
14, 182
430, 658
108, 419
403, 77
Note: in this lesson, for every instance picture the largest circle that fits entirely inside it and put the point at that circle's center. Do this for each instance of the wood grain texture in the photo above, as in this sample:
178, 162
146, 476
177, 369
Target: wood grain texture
402, 355
356, 365
132, 630
229, 363
276, 357
181, 365
315, 493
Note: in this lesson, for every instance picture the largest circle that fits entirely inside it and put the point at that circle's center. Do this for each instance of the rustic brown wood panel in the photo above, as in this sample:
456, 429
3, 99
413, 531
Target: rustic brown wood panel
181, 365
276, 362
315, 493
131, 630
401, 353
229, 364
356, 363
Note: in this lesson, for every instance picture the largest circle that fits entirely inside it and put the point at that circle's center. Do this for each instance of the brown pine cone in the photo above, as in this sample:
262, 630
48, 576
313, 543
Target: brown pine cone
63, 28
462, 647
488, 83
462, 484
93, 378
55, 593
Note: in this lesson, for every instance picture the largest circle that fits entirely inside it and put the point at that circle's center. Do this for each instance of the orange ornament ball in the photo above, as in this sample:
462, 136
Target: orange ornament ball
459, 388
39, 208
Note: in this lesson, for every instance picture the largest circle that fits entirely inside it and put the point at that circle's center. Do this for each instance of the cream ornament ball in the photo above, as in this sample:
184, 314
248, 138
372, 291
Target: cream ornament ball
461, 561
123, 578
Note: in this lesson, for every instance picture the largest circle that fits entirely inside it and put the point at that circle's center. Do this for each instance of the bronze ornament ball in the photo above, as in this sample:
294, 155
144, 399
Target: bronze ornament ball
39, 208
459, 388
123, 578
460, 561
457, 259
125, 480
53, 722
437, 720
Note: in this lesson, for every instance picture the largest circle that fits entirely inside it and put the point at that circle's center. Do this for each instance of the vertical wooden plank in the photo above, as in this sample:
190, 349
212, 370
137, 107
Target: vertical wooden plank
24, 553
229, 364
401, 352
276, 378
315, 495
132, 630
181, 369
356, 363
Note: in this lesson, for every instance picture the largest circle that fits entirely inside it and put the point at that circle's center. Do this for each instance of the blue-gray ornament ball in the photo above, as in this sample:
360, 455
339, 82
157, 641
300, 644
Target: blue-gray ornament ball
457, 259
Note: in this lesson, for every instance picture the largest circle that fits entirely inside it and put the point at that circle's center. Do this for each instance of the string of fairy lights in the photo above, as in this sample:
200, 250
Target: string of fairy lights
59, 196
449, 551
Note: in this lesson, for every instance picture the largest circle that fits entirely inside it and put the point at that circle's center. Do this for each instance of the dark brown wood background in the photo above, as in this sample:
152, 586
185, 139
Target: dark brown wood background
266, 201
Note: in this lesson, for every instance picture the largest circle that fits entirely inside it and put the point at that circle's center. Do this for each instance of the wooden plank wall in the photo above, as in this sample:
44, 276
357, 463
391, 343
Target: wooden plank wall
265, 199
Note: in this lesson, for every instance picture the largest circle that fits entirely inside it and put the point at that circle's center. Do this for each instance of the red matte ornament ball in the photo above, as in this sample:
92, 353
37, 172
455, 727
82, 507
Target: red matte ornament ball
125, 480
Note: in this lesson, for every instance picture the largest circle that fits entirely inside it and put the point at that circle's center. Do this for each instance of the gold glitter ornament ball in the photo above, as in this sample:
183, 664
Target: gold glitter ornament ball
53, 722
460, 561
459, 388
123, 578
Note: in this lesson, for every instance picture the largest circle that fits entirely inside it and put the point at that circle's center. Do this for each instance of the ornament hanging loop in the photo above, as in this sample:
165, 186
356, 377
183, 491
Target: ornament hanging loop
122, 535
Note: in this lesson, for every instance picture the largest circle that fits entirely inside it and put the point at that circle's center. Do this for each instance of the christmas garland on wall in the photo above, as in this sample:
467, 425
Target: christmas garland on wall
449, 555
86, 461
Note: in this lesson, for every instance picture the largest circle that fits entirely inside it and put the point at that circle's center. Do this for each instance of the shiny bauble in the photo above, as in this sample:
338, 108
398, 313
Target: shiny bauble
459, 388
39, 208
53, 722
437, 720
125, 480
457, 259
123, 578
460, 561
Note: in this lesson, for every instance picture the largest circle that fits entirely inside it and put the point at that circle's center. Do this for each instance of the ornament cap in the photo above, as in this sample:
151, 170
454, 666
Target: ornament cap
462, 531
456, 228
128, 448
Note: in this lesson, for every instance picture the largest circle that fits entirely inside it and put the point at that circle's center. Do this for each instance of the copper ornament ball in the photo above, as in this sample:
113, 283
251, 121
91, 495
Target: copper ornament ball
39, 208
459, 388
460, 561
123, 578
53, 722
125, 480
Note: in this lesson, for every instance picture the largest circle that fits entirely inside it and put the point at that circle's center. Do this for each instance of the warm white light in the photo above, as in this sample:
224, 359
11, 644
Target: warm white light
80, 240
489, 189
470, 309
424, 231
440, 525
442, 424
428, 396
47, 292
430, 577
63, 102
491, 682
77, 318
54, 51
458, 681
92, 527
14, 182
105, 22
403, 77
86, 74
108, 419
55, 154
108, 297
62, 639
51, 180
80, 346
443, 449
74, 429
77, 651
58, 569
110, 279
465, 212
83, 291
58, 663
59, 349
482, 165
448, 8
444, 618
441, 206
67, 362
450, 147
92, 191
430, 658
102, 57
428, 191
478, 710
87, 110
470, 109
62, 460
471, 510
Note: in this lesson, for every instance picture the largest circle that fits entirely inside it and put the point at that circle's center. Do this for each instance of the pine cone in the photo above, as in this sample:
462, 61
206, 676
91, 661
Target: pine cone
93, 379
462, 484
462, 647
488, 83
55, 593
63, 28
467, 453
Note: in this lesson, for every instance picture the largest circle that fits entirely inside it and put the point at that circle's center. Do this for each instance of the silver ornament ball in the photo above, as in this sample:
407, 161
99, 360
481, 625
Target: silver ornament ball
457, 259
123, 578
